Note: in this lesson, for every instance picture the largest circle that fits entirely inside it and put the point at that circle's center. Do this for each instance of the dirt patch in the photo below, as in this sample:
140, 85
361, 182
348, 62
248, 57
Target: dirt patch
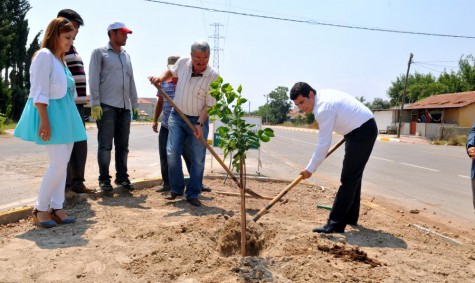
141, 237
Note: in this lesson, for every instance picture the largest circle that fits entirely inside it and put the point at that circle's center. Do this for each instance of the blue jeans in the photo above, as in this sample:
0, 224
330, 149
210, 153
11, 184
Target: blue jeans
113, 126
181, 138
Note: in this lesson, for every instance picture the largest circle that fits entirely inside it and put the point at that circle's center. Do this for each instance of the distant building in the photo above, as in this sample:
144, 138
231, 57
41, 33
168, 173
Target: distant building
436, 117
451, 108
147, 105
294, 113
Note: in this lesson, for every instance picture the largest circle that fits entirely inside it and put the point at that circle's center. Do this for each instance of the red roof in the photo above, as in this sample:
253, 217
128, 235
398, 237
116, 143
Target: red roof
449, 100
295, 112
143, 101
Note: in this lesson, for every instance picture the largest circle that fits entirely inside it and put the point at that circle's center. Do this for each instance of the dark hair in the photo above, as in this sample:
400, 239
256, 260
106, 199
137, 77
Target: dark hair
71, 15
301, 88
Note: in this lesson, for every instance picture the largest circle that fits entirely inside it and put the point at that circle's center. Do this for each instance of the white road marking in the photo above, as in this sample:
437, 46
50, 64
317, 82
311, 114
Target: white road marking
412, 165
468, 177
296, 140
449, 155
383, 159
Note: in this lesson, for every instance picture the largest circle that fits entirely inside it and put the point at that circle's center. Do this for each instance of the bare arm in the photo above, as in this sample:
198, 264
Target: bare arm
45, 129
156, 114
165, 76
203, 117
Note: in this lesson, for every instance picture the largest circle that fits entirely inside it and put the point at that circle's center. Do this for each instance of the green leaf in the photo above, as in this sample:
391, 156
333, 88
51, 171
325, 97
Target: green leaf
269, 132
214, 85
239, 89
241, 100
224, 87
264, 138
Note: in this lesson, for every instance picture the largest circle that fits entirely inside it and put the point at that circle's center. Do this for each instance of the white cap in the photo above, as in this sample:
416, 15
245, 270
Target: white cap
118, 25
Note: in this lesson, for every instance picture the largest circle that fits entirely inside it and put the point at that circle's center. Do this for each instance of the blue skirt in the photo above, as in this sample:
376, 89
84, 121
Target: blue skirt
65, 122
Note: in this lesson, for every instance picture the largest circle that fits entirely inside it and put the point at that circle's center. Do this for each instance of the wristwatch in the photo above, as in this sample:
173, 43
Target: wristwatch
199, 124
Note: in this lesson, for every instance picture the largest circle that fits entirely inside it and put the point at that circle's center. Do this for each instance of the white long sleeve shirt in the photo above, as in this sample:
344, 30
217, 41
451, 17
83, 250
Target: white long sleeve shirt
335, 111
47, 77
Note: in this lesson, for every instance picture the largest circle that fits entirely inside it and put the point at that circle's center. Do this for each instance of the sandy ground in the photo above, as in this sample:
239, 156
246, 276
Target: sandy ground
140, 237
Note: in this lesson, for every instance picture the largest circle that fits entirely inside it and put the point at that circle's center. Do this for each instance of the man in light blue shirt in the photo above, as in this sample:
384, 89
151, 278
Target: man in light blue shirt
113, 98
336, 111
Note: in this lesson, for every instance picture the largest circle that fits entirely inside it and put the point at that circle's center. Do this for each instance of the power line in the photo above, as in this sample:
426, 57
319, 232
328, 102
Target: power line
425, 67
435, 65
311, 22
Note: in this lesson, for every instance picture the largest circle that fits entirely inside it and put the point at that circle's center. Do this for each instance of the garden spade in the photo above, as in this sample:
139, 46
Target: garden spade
289, 187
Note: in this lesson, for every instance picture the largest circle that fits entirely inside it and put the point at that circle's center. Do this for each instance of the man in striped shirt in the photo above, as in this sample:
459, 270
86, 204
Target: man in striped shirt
164, 108
192, 98
77, 162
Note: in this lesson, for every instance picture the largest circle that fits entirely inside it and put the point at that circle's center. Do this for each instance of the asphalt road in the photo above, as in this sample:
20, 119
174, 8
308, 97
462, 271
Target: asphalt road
417, 176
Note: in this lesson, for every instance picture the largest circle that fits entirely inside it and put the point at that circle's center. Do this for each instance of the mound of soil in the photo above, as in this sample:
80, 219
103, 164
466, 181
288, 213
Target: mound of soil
141, 237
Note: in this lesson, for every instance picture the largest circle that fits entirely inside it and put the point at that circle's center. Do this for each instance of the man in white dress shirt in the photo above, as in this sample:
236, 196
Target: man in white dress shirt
336, 111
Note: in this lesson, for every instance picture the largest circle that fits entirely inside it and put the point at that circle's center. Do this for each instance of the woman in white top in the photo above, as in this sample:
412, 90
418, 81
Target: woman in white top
50, 118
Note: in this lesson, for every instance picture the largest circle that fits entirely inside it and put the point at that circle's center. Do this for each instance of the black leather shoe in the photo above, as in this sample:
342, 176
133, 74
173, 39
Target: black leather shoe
125, 184
80, 188
194, 201
105, 186
205, 188
330, 228
172, 196
163, 188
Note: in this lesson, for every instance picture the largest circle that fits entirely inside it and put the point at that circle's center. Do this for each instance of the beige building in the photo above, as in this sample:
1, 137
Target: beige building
450, 108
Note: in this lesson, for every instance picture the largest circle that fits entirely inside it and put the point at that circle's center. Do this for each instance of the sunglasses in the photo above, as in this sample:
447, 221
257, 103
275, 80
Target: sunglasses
63, 23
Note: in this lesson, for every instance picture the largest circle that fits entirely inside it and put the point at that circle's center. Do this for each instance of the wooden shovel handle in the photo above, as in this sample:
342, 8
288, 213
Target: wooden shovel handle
205, 143
289, 187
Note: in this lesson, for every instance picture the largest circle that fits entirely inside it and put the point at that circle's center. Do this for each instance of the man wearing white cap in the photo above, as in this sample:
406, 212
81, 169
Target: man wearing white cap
113, 98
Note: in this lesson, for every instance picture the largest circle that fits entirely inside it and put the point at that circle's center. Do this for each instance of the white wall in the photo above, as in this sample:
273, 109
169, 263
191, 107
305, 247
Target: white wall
383, 119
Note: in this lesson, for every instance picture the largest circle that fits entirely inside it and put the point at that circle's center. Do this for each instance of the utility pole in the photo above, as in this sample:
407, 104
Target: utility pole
216, 48
404, 96
267, 107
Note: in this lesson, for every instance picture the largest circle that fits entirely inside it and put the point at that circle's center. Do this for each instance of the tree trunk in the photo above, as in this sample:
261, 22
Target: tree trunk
243, 209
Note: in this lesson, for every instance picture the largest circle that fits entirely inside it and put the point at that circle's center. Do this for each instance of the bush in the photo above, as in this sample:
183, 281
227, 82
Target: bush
2, 124
458, 140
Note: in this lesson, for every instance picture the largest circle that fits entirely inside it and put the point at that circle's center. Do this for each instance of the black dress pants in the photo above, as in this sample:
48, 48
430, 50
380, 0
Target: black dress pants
77, 161
358, 147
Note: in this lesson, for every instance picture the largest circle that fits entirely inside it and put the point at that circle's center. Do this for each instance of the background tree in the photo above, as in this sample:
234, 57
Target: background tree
16, 54
13, 56
279, 105
420, 86
466, 73
379, 103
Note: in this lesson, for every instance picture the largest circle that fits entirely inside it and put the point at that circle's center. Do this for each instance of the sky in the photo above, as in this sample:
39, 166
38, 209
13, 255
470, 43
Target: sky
262, 54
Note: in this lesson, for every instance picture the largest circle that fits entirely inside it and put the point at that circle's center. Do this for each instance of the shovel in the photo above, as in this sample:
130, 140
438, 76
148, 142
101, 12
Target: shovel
289, 187
210, 149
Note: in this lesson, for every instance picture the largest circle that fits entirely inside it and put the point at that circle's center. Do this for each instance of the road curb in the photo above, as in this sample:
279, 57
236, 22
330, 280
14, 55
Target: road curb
386, 139
16, 214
